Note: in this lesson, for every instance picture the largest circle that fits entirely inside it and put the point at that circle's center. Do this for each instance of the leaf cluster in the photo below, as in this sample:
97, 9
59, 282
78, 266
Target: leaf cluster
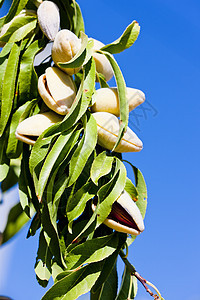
66, 171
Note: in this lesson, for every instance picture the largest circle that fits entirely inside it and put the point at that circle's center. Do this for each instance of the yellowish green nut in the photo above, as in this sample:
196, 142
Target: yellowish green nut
107, 100
125, 216
49, 19
108, 129
57, 90
31, 128
65, 47
103, 65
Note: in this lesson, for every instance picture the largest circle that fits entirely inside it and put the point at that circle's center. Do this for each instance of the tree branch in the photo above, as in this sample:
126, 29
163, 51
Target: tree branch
143, 281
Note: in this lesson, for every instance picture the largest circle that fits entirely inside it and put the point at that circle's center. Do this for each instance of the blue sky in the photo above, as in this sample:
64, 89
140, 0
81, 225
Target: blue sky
164, 63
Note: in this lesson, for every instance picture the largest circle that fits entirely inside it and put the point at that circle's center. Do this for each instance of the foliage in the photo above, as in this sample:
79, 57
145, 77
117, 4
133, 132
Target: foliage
66, 170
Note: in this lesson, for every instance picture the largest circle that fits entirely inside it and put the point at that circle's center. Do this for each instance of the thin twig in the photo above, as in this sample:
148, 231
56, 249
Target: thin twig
143, 281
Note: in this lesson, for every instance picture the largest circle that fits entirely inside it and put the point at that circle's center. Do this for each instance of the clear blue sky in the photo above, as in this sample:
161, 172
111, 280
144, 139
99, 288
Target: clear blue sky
164, 63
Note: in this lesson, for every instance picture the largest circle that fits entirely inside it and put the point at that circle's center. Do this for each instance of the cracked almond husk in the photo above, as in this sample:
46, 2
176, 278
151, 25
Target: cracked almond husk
57, 90
108, 129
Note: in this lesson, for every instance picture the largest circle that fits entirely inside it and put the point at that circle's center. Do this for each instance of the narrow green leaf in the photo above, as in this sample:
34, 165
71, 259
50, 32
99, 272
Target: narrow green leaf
8, 88
91, 251
106, 271
50, 232
78, 20
27, 75
43, 261
35, 225
102, 80
109, 193
63, 144
78, 59
6, 49
12, 176
4, 161
131, 189
109, 288
16, 220
141, 188
26, 187
12, 150
123, 103
84, 150
128, 289
75, 284
76, 202
66, 14
101, 166
125, 41
19, 29
15, 9
1, 3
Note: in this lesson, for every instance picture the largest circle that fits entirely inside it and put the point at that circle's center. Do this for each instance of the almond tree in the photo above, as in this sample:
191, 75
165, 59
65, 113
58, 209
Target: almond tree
63, 130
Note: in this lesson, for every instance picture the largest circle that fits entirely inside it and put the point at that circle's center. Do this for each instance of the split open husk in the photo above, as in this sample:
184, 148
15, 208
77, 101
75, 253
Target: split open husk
108, 129
65, 47
31, 128
107, 100
57, 90
49, 19
103, 65
125, 216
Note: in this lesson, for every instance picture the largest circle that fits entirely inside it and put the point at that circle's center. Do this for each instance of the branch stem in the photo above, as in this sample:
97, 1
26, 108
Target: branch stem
143, 281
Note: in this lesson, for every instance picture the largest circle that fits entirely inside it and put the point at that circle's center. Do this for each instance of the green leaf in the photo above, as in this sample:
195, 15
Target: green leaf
78, 59
128, 289
78, 20
125, 41
43, 261
6, 49
27, 75
8, 88
91, 251
16, 220
15, 9
123, 103
102, 80
4, 161
26, 187
110, 192
12, 176
101, 166
48, 219
19, 29
13, 150
107, 269
131, 189
141, 188
84, 149
35, 225
74, 284
1, 3
59, 151
76, 202
109, 290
